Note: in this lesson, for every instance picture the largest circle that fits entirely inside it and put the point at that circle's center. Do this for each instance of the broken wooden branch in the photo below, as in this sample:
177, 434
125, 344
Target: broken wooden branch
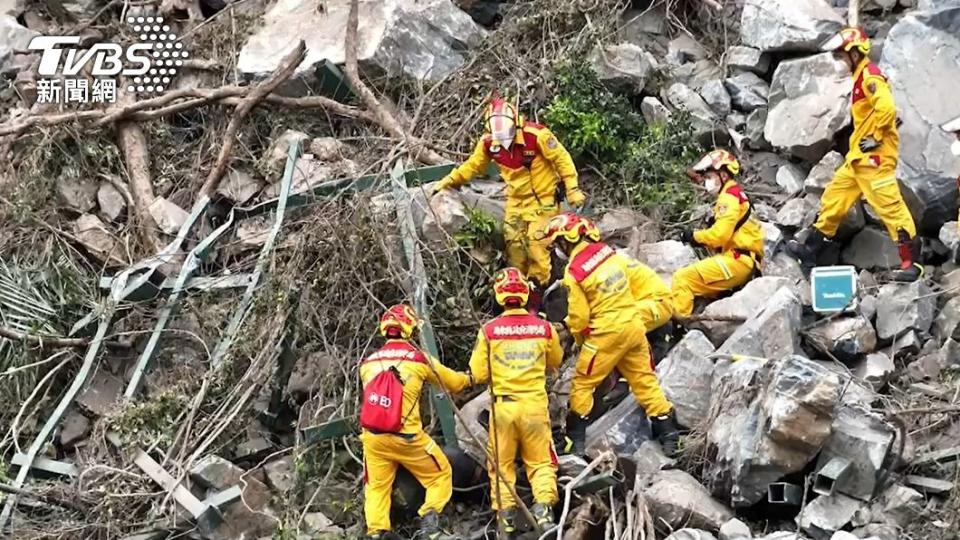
42, 497
418, 149
258, 94
133, 144
53, 341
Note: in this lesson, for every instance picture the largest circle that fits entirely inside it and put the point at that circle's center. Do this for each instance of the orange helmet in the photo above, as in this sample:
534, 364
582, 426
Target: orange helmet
509, 284
847, 39
571, 227
401, 317
501, 118
717, 160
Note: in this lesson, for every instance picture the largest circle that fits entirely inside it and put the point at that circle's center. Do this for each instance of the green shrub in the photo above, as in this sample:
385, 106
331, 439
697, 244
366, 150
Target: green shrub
638, 164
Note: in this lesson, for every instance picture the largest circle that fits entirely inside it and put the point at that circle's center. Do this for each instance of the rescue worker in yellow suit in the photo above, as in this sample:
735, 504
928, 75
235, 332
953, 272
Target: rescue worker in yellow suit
653, 296
735, 237
870, 166
512, 354
605, 320
411, 448
531, 162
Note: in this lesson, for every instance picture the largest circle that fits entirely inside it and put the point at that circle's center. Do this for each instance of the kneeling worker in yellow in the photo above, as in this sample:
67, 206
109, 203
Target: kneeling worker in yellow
603, 317
735, 237
513, 353
653, 296
393, 378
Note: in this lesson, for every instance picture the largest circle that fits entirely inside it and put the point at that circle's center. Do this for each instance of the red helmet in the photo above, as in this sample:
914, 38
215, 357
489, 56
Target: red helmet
501, 119
509, 284
571, 227
400, 317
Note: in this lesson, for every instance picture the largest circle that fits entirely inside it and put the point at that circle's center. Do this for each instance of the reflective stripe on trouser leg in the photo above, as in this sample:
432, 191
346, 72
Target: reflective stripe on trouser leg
841, 193
536, 450
708, 278
538, 254
515, 239
635, 367
883, 195
429, 465
598, 356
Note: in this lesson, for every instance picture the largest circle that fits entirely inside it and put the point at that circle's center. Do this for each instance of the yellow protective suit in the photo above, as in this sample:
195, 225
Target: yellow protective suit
519, 348
604, 317
654, 301
871, 174
737, 250
530, 190
412, 448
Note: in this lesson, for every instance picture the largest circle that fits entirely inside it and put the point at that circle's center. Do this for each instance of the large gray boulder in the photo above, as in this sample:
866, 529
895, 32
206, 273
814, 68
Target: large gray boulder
679, 500
773, 332
715, 94
773, 419
748, 59
822, 173
902, 307
924, 87
420, 39
845, 337
788, 25
744, 304
665, 257
871, 249
13, 36
686, 375
706, 124
748, 91
809, 104
623, 67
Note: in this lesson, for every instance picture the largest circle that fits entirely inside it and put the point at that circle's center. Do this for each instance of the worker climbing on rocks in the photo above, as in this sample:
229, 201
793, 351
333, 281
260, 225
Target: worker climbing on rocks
870, 166
735, 237
532, 163
393, 436
605, 320
512, 354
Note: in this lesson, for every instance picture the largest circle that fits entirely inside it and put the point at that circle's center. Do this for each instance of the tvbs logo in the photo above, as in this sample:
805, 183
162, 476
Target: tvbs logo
383, 401
148, 65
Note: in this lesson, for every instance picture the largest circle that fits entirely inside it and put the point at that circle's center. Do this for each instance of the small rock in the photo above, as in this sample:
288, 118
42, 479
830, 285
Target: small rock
317, 523
793, 214
686, 375
95, 236
898, 506
327, 149
239, 186
826, 515
875, 369
168, 216
782, 265
78, 194
900, 310
735, 530
214, 472
617, 225
74, 429
280, 474
664, 257
748, 92
790, 177
273, 162
845, 337
843, 535
101, 393
13, 37
111, 201
678, 499
950, 236
308, 374
622, 429
252, 448
772, 237
623, 67
756, 121
871, 249
654, 111
691, 534
950, 284
748, 59
650, 460
684, 49
868, 307
946, 323
736, 121
877, 531
907, 344
717, 97
446, 217
822, 173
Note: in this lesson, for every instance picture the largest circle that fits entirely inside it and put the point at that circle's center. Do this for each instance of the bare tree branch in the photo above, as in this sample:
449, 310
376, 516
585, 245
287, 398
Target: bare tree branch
133, 144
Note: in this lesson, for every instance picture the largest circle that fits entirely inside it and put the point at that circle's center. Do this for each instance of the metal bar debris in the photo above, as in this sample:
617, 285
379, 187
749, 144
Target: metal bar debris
418, 282
599, 482
784, 493
240, 314
328, 430
929, 485
202, 283
938, 456
46, 465
831, 475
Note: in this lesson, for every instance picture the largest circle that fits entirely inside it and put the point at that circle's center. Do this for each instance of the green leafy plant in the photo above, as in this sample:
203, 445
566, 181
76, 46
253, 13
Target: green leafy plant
153, 420
482, 230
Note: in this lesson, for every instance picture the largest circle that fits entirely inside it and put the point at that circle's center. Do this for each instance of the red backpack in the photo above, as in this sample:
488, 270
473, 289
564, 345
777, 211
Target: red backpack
382, 407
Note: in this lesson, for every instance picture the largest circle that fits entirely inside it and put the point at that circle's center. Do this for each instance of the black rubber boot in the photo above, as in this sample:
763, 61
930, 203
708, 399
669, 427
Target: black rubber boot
507, 521
430, 526
910, 267
665, 430
576, 434
807, 251
543, 514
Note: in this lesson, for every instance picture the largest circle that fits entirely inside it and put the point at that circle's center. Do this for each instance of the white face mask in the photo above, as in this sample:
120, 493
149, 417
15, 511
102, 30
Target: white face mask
560, 254
712, 184
955, 147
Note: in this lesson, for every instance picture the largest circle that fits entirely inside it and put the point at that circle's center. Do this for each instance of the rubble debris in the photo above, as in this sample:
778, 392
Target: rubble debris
654, 111
877, 531
744, 304
793, 214
748, 92
846, 337
715, 94
822, 173
790, 177
686, 375
874, 369
445, 217
747, 59
649, 460
947, 321
930, 486
74, 429
772, 333
705, 122
773, 419
111, 201
900, 307
621, 429
623, 67
788, 25
898, 505
826, 515
735, 530
327, 149
239, 186
871, 249
316, 523
679, 500
79, 194
280, 474
618, 224
809, 105
15, 38
100, 395
168, 216
664, 257
861, 440
771, 238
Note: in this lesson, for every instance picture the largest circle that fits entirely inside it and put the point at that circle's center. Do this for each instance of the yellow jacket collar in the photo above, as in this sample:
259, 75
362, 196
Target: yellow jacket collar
578, 248
860, 67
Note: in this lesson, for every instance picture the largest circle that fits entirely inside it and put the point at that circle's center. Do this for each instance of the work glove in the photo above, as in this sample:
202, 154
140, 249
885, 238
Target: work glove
576, 198
686, 236
445, 183
868, 143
